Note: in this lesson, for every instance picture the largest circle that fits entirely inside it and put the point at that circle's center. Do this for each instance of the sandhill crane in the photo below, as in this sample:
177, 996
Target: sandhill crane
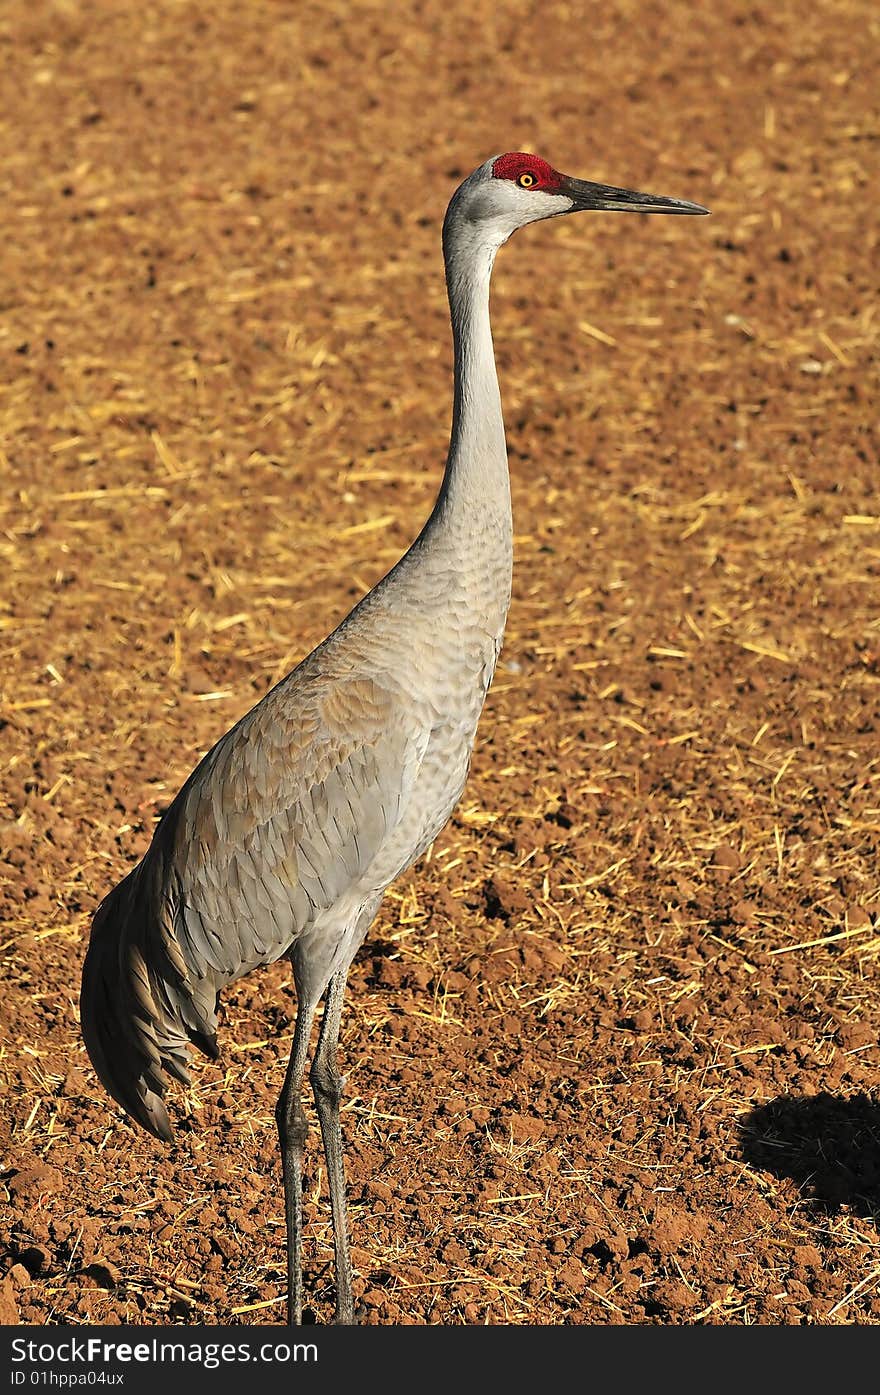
286, 836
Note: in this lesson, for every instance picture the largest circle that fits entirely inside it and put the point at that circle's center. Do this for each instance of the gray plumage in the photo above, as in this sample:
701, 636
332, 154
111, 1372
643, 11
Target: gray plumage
287, 834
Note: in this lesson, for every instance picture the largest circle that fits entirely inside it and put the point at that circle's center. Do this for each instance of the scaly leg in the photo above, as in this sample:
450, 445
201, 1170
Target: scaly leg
327, 1084
292, 1130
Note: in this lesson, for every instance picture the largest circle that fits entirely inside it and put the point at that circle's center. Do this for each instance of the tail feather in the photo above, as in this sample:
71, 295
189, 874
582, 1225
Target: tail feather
139, 1009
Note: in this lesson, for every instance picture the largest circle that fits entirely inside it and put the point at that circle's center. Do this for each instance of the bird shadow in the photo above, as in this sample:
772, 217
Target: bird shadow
829, 1146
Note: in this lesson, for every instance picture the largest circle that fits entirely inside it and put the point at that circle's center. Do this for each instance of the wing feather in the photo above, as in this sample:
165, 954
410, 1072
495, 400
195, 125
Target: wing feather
286, 814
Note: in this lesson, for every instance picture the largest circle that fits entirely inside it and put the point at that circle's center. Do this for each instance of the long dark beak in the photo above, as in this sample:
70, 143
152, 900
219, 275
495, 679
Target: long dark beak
585, 196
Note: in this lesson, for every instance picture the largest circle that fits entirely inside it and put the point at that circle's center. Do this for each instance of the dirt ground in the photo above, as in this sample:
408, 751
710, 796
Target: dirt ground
612, 1046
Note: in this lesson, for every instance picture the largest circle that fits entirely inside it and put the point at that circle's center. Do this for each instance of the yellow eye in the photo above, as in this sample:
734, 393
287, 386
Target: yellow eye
526, 180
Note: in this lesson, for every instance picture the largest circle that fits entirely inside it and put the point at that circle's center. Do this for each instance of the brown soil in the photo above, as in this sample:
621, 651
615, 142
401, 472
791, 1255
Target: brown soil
611, 1047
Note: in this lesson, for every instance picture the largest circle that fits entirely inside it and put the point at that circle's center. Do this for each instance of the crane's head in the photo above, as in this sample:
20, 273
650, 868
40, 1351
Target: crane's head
511, 190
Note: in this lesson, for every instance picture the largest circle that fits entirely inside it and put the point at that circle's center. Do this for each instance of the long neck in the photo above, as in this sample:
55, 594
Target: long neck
466, 547
474, 498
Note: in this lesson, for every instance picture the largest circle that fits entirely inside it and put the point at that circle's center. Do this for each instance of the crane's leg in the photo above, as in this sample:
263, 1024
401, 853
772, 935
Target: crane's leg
327, 1084
292, 1130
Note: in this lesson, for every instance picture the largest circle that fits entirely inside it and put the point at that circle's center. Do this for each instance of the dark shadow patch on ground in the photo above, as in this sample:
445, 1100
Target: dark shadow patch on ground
830, 1146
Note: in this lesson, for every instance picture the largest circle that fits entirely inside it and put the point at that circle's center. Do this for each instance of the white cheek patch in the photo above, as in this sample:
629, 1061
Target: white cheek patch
535, 204
525, 206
